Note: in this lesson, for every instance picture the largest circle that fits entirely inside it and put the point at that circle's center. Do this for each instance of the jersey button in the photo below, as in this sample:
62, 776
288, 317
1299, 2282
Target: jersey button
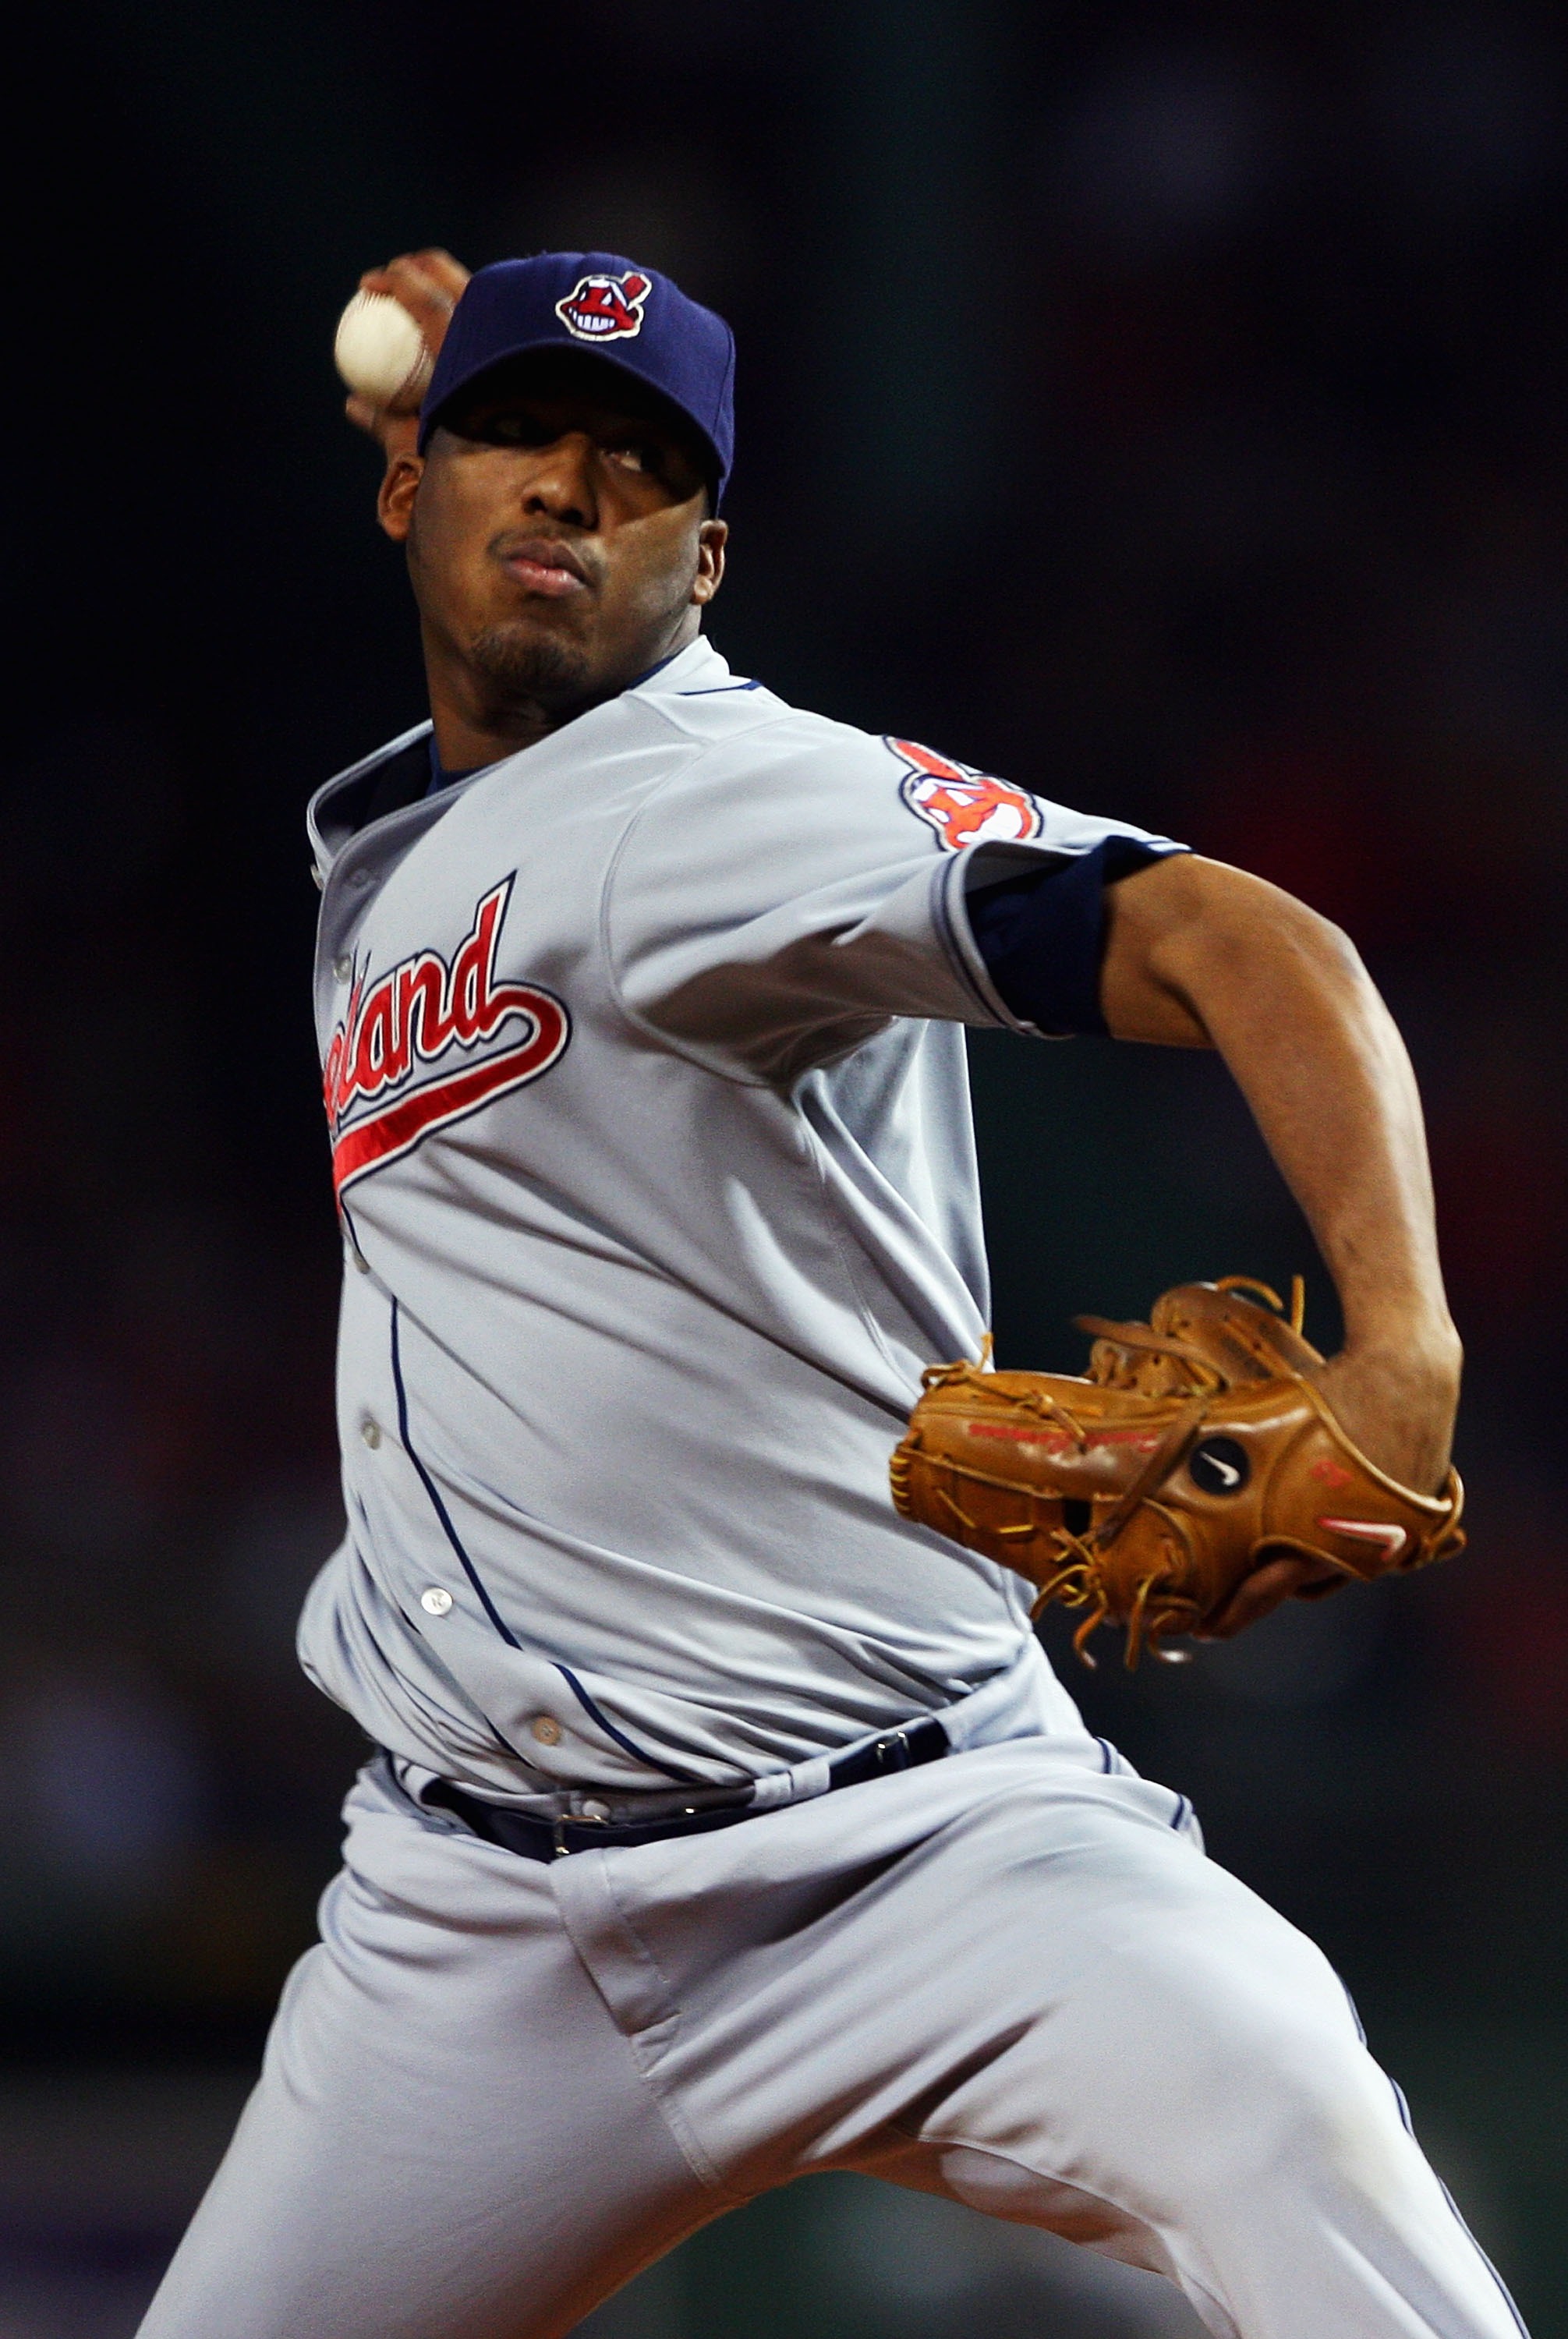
435, 1602
545, 1729
370, 1431
342, 966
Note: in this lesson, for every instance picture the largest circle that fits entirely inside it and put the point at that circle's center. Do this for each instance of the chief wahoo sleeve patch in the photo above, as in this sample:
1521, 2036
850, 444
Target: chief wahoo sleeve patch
964, 806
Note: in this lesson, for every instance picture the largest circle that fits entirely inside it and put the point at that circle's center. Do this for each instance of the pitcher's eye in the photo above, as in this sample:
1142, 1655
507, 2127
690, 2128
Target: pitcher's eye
516, 430
632, 454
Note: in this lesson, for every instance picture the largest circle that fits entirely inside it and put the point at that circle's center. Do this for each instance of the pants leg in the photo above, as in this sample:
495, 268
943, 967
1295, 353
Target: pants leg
1014, 1979
498, 2089
450, 2138
1210, 2111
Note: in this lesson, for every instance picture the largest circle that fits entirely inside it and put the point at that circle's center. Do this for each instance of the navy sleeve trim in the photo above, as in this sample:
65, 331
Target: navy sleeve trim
1042, 935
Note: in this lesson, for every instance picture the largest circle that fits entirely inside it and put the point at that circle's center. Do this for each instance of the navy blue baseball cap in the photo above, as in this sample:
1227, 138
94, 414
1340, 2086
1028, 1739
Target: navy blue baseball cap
630, 316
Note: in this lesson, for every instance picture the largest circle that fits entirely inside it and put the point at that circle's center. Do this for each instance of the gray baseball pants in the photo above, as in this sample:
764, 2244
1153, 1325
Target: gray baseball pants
497, 2087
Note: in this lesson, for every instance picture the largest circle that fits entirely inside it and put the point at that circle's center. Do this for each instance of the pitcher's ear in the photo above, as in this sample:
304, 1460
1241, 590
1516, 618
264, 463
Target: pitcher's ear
710, 576
395, 502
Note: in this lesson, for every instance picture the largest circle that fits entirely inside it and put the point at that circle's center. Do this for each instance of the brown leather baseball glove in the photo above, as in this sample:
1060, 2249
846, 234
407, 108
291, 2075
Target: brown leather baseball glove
1196, 1448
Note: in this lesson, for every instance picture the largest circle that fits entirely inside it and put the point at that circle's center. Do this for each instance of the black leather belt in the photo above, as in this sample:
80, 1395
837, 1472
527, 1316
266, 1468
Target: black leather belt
538, 1839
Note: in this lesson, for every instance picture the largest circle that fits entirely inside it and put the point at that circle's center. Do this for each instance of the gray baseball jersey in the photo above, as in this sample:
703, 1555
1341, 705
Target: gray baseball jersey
651, 1138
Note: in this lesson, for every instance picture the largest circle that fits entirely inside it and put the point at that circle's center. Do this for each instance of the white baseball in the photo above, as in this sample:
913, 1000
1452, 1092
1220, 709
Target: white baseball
380, 351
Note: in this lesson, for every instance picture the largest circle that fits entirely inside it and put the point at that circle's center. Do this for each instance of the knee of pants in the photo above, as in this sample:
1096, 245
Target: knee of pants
1222, 2041
1293, 2101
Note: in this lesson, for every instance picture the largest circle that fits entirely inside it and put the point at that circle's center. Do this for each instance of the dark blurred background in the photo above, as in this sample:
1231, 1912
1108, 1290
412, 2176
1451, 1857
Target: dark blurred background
1161, 405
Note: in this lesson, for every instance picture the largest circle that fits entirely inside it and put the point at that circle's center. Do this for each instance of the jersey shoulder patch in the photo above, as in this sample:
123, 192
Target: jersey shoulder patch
964, 806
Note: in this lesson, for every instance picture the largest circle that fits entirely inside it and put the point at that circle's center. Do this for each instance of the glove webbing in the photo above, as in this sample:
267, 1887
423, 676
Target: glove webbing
1076, 1584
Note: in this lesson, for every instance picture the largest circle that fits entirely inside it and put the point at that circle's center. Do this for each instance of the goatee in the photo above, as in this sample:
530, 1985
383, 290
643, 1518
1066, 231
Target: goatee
526, 669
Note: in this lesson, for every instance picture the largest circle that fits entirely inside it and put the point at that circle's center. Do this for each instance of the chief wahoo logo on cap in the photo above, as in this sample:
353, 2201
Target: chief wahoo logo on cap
604, 308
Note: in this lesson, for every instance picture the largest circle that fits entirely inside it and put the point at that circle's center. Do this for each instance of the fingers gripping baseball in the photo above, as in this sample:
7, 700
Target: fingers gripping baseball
386, 364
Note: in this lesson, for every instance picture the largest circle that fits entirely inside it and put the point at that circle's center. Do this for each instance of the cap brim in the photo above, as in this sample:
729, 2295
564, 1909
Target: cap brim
430, 416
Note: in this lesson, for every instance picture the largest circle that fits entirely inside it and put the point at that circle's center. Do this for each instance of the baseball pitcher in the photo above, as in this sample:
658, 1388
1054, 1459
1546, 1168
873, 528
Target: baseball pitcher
724, 1820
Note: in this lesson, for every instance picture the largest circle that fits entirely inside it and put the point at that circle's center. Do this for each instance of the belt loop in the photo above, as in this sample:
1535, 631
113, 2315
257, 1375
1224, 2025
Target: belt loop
557, 1830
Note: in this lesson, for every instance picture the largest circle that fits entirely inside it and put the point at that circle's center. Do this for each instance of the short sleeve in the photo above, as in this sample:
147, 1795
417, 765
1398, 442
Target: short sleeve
1042, 935
784, 896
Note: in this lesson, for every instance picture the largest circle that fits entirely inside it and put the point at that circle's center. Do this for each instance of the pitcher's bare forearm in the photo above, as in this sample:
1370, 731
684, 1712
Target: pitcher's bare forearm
1199, 954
